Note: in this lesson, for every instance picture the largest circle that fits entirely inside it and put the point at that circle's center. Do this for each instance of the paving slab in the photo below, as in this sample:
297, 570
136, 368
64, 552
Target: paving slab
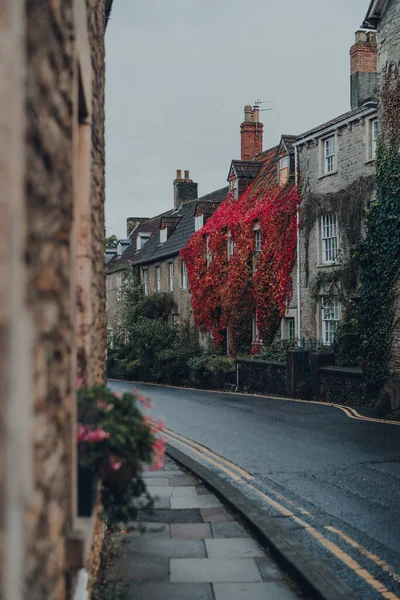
207, 501
163, 502
251, 591
150, 481
182, 480
162, 474
172, 516
188, 491
139, 567
228, 529
164, 548
170, 591
191, 530
233, 548
214, 570
149, 529
215, 514
160, 490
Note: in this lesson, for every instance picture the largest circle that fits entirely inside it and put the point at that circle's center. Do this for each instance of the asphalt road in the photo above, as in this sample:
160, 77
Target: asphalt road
332, 471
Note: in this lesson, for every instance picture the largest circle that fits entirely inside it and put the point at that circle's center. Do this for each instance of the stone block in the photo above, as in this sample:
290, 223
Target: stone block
170, 591
191, 530
214, 570
233, 548
230, 529
252, 591
218, 514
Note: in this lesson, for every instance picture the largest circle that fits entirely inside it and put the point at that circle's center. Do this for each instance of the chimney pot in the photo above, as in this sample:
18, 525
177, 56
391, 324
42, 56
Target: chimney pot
179, 173
186, 175
248, 113
184, 189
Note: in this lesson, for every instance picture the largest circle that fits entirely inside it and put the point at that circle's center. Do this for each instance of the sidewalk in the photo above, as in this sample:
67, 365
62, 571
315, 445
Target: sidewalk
193, 549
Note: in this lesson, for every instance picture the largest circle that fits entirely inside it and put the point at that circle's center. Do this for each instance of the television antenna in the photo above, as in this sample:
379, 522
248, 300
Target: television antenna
258, 102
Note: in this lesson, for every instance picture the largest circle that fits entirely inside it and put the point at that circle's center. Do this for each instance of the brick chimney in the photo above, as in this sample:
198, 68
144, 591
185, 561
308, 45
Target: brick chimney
251, 134
184, 189
133, 222
363, 69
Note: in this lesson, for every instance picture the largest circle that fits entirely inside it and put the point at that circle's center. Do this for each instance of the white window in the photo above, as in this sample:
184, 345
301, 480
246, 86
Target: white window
283, 171
290, 332
110, 337
330, 320
163, 235
374, 136
198, 222
257, 240
171, 277
119, 287
329, 238
255, 330
158, 279
231, 245
208, 252
119, 249
234, 188
329, 155
184, 275
146, 282
142, 239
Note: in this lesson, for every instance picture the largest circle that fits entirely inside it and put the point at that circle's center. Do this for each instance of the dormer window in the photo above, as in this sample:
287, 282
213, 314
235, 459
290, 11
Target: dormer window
119, 249
142, 239
283, 170
234, 188
163, 235
198, 222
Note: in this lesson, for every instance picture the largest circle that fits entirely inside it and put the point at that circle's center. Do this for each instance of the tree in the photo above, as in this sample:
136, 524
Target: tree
111, 241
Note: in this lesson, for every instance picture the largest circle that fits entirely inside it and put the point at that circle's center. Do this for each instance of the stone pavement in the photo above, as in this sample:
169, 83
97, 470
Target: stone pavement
194, 549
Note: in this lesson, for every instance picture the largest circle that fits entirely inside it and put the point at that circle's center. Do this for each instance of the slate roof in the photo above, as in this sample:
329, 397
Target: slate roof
337, 120
370, 21
153, 250
246, 169
289, 141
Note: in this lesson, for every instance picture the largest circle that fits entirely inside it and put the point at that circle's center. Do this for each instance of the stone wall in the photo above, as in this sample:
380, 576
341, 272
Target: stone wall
353, 161
46, 172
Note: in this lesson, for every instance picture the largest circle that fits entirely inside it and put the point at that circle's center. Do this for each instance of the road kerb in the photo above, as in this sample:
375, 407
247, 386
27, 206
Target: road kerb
313, 576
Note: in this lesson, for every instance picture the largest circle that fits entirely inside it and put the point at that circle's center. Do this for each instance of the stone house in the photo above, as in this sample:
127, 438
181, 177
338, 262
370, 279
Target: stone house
154, 249
52, 292
335, 171
383, 16
264, 169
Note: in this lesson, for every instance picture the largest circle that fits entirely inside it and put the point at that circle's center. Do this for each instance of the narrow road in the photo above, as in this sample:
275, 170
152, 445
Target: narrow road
338, 476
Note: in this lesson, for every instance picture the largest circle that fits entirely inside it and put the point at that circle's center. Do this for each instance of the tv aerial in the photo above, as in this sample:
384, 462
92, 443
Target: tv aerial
258, 102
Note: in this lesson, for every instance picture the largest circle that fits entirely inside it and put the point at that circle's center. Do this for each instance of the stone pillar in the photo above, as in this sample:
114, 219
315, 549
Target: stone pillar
317, 360
297, 371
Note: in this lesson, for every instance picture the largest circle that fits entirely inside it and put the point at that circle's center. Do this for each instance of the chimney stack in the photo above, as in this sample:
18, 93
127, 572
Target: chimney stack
251, 133
364, 69
184, 189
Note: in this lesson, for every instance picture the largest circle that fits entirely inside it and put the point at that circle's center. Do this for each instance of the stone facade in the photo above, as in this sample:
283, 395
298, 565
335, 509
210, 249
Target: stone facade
52, 286
353, 158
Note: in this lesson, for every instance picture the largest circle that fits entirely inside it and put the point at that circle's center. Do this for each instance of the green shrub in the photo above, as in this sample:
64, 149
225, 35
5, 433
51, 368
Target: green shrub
277, 350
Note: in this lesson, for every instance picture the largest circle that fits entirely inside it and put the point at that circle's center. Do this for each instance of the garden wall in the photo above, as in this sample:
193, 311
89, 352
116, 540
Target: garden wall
262, 376
341, 385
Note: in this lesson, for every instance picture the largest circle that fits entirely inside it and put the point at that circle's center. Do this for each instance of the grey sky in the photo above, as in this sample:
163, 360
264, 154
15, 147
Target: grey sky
179, 73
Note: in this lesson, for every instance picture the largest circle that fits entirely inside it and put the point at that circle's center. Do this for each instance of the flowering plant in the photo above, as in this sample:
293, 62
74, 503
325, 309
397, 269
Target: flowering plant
115, 438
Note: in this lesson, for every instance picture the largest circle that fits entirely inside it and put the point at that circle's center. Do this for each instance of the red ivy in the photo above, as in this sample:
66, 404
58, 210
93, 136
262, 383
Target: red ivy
249, 282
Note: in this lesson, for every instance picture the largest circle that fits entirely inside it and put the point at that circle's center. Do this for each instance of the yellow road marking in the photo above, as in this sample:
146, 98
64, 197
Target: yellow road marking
202, 448
378, 561
325, 542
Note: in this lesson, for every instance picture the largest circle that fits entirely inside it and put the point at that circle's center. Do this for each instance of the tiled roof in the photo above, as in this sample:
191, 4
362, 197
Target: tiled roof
337, 120
153, 250
289, 140
370, 20
247, 169
267, 174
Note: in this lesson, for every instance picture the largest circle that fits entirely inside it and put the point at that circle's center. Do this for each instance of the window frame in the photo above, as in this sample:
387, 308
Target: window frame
325, 157
328, 330
290, 324
283, 164
257, 241
230, 245
163, 235
373, 137
198, 222
146, 282
118, 281
158, 278
184, 279
171, 276
326, 241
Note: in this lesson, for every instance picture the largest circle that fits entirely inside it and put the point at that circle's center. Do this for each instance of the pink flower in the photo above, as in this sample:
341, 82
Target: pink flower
118, 395
100, 404
82, 433
96, 435
79, 383
116, 465
144, 401
109, 407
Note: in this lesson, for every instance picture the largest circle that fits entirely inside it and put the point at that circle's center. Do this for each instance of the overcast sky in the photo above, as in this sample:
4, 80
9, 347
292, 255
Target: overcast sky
179, 73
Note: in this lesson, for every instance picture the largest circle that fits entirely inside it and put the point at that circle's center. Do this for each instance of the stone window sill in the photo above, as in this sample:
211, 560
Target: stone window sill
370, 160
328, 174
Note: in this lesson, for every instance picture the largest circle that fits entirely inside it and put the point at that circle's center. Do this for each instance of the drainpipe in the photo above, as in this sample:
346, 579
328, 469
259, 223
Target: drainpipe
298, 253
237, 377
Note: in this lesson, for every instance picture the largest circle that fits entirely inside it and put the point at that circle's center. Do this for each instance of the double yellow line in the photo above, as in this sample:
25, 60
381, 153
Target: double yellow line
242, 477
